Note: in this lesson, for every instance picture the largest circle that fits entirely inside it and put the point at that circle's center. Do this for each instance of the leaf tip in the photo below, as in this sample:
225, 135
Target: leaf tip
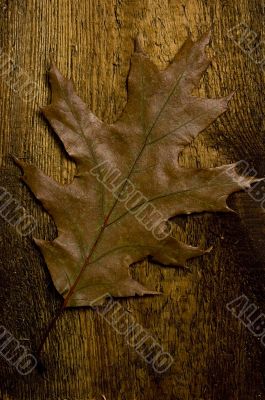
230, 96
156, 293
39, 242
206, 37
18, 162
52, 64
230, 210
54, 72
208, 250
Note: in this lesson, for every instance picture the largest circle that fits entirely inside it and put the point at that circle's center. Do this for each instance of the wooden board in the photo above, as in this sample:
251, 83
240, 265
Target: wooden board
215, 357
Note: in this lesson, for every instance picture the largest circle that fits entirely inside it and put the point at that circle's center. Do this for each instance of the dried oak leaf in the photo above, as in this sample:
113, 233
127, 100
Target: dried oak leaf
99, 233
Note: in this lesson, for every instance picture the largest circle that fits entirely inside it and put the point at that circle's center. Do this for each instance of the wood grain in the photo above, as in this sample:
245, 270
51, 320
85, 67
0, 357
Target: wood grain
215, 358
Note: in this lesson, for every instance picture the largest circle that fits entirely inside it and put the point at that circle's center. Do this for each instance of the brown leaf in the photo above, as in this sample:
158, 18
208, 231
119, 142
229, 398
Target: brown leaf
128, 180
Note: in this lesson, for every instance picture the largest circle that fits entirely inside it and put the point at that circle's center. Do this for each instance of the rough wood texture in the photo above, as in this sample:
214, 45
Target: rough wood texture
92, 41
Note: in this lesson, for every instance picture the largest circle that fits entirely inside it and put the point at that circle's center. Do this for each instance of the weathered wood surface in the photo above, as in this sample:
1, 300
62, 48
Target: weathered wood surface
92, 41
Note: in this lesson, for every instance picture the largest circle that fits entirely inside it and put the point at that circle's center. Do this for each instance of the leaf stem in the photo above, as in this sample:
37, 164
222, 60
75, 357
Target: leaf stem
73, 287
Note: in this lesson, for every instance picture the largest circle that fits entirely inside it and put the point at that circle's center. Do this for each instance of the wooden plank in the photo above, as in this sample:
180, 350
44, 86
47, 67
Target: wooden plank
92, 42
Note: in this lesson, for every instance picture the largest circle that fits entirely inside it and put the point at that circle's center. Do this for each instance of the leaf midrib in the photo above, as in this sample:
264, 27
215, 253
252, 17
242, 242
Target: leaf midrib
98, 238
